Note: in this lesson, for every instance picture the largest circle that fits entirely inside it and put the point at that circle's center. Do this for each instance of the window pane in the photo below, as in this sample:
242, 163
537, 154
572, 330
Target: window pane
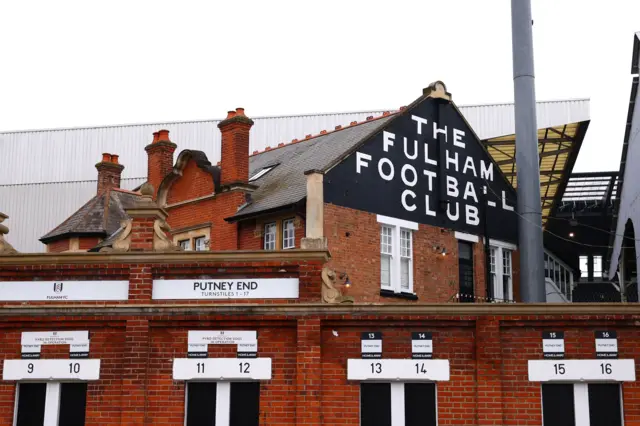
270, 236
584, 267
492, 259
185, 245
420, 404
385, 270
245, 404
201, 404
31, 397
506, 261
200, 244
73, 404
375, 404
405, 243
557, 405
597, 266
465, 265
288, 234
604, 404
405, 264
386, 240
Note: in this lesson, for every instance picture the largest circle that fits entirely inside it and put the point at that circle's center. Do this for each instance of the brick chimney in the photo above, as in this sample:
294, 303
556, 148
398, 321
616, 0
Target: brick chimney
159, 158
235, 147
109, 172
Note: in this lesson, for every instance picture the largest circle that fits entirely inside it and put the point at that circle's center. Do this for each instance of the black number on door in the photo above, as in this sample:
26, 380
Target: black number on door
244, 367
74, 367
30, 368
376, 368
559, 368
420, 369
606, 368
200, 367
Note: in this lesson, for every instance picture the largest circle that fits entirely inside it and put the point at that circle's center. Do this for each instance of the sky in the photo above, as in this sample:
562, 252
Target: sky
83, 63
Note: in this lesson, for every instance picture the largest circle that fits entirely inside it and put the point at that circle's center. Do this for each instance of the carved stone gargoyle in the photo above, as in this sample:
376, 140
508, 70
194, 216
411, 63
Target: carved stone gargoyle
330, 294
5, 247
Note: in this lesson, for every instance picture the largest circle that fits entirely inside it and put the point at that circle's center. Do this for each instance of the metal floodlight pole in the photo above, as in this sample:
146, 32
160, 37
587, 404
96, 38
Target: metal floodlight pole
532, 285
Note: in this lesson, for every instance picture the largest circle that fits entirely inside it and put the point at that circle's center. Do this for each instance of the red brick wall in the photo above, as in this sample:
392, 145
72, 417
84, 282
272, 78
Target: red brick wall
354, 242
159, 162
193, 183
58, 246
224, 235
86, 243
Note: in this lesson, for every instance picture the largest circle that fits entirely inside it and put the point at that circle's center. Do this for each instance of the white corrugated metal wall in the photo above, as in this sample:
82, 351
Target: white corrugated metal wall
51, 173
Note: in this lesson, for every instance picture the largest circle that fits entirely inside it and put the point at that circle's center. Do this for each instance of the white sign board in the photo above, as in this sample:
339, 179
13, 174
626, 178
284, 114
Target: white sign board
61, 291
54, 337
371, 344
51, 369
222, 369
221, 337
553, 344
248, 288
582, 370
432, 370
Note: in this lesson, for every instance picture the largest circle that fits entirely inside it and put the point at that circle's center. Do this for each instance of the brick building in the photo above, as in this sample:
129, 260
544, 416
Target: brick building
417, 237
305, 285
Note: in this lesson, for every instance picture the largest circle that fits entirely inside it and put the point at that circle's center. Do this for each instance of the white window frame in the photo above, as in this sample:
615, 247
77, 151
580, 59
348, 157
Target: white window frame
581, 403
395, 278
274, 233
51, 403
500, 247
288, 241
188, 245
202, 238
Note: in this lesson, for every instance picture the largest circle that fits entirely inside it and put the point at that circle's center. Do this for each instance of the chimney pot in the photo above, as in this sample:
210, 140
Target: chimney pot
163, 135
109, 172
281, 144
106, 157
239, 111
155, 137
230, 114
114, 158
308, 136
323, 132
384, 114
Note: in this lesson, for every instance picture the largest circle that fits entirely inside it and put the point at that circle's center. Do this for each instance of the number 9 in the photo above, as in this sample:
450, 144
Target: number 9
30, 368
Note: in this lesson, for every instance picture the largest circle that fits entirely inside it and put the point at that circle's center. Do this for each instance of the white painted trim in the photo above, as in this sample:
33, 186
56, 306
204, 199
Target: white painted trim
397, 222
466, 237
15, 405
52, 404
501, 244
581, 404
223, 403
397, 404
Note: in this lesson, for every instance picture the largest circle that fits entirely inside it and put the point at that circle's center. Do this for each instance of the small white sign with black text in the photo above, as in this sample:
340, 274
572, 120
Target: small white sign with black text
32, 342
421, 345
62, 291
371, 344
226, 288
582, 370
606, 344
199, 341
222, 369
553, 344
51, 369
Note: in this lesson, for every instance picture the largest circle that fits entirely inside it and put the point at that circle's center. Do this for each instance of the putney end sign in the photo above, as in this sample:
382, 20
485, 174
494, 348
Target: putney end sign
426, 165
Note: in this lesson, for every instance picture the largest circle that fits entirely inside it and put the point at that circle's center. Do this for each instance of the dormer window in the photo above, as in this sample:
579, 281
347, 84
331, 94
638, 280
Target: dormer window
263, 171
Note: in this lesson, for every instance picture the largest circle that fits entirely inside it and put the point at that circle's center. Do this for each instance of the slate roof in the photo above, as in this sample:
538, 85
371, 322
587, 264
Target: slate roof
286, 184
100, 216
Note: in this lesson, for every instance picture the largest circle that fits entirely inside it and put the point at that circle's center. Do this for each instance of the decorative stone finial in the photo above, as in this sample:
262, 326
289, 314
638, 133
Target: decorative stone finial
330, 294
437, 89
147, 190
5, 247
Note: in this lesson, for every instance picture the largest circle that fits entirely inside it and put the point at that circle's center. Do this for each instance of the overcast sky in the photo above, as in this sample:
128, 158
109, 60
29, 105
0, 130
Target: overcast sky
80, 63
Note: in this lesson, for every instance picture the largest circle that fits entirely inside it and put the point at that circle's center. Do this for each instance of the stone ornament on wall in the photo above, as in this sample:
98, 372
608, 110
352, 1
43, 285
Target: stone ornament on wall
5, 247
330, 294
